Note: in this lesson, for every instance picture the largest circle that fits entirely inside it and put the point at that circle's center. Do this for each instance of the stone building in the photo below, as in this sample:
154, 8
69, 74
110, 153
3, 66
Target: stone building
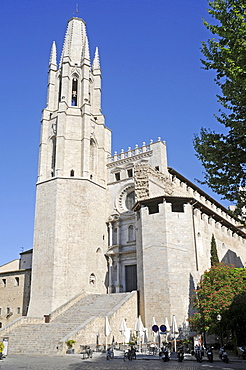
15, 284
107, 224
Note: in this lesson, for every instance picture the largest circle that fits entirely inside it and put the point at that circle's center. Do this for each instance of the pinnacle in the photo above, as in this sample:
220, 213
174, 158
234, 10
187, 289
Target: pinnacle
53, 54
96, 61
86, 51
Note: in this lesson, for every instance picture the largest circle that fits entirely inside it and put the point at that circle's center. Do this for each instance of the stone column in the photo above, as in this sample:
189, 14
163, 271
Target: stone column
118, 233
110, 234
117, 286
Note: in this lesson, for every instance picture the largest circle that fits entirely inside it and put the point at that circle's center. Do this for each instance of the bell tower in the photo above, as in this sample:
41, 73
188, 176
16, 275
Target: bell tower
71, 199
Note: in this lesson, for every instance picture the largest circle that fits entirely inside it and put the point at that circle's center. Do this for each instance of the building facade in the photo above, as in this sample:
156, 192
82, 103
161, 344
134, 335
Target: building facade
15, 285
115, 223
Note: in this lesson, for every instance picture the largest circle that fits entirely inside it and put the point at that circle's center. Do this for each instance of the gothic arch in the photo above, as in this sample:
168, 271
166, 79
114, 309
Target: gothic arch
75, 89
53, 155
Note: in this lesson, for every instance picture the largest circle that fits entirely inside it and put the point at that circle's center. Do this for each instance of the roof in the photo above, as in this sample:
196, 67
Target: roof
27, 252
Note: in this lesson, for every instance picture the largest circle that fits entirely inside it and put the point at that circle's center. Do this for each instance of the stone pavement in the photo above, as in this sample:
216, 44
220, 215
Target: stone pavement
99, 362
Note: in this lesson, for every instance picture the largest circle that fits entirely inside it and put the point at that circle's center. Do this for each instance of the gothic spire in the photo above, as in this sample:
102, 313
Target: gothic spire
75, 39
96, 61
53, 55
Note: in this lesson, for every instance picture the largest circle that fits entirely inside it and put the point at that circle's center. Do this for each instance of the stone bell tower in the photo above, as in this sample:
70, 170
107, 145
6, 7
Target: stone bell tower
70, 231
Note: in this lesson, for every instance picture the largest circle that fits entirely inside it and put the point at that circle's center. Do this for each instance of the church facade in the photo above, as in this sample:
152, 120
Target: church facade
115, 223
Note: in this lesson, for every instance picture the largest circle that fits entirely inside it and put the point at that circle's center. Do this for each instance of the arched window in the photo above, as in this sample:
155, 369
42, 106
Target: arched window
130, 200
72, 173
60, 86
74, 100
92, 279
131, 233
53, 159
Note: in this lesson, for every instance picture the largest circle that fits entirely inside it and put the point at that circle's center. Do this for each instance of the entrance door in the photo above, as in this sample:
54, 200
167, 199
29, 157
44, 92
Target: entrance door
131, 277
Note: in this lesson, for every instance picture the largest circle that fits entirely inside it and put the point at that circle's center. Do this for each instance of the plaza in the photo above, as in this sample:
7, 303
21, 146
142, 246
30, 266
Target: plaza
99, 362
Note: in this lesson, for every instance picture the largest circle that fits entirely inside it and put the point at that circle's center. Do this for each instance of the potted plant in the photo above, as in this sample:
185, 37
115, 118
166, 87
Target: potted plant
1, 349
70, 343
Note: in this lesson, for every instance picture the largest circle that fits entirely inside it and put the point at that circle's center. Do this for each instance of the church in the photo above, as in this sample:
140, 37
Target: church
107, 225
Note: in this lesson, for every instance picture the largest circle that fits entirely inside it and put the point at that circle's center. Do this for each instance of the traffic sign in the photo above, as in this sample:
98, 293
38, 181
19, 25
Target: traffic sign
155, 328
163, 328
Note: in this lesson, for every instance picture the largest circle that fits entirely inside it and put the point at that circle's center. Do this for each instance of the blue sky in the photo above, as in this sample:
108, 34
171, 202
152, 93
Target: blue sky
153, 85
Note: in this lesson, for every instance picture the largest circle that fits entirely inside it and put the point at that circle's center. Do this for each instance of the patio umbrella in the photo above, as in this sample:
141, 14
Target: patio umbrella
174, 331
167, 325
139, 325
139, 328
123, 329
168, 328
145, 336
107, 330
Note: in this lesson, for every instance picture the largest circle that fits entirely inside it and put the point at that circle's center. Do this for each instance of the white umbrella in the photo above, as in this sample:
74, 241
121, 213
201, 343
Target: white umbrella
153, 321
167, 325
145, 336
174, 331
139, 325
123, 329
139, 328
107, 330
168, 328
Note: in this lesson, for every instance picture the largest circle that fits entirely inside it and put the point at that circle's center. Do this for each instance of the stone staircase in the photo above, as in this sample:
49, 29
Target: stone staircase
82, 321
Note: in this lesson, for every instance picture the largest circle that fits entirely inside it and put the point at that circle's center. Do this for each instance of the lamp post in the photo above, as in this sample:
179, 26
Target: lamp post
219, 317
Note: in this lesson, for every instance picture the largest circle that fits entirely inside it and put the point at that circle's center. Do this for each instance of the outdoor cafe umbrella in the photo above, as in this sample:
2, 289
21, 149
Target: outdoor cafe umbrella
107, 330
139, 328
174, 332
168, 328
145, 340
167, 325
123, 329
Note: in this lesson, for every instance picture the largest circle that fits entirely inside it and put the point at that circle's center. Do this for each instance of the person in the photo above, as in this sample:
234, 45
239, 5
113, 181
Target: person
110, 353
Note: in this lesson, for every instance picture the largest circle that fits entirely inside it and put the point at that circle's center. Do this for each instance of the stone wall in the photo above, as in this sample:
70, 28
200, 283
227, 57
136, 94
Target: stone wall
173, 251
14, 295
95, 327
69, 243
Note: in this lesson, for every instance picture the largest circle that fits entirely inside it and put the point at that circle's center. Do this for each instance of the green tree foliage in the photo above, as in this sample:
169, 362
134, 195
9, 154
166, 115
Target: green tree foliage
213, 252
223, 155
236, 318
218, 289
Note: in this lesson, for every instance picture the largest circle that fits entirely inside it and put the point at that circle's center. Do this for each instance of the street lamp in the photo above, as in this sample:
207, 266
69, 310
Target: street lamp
219, 317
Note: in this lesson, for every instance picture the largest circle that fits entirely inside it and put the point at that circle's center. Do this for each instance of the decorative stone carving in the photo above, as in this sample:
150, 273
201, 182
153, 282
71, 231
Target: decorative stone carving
143, 174
121, 206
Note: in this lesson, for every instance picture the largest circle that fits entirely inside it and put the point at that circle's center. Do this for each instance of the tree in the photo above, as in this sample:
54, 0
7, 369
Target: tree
223, 155
236, 318
217, 290
213, 252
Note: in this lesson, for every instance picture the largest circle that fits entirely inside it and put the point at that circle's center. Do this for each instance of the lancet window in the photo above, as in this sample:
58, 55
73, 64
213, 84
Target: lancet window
74, 100
53, 159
